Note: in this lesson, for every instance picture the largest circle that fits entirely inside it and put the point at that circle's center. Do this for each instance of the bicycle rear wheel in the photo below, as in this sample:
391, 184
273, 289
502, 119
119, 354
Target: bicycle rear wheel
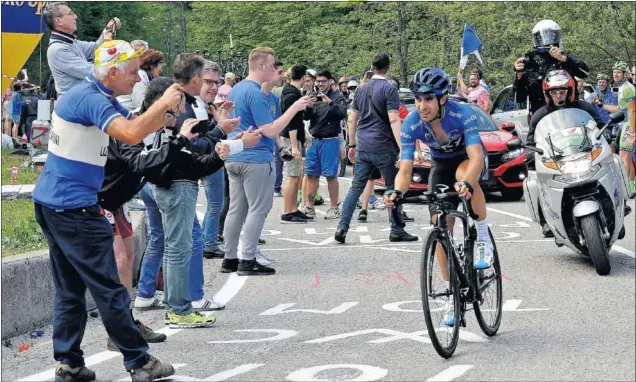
443, 337
489, 310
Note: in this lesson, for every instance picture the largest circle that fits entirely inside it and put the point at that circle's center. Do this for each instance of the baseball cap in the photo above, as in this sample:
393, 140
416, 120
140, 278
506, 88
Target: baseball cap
230, 75
352, 83
115, 52
312, 72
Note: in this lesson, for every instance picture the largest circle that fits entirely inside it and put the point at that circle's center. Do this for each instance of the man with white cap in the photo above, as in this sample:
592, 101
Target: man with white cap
230, 79
80, 238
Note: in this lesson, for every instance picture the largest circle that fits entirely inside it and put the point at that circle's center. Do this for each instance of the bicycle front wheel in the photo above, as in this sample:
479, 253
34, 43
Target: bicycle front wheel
489, 310
438, 297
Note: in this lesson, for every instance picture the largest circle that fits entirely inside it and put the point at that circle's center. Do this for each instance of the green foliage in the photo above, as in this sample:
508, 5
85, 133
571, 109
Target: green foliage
344, 36
20, 231
25, 175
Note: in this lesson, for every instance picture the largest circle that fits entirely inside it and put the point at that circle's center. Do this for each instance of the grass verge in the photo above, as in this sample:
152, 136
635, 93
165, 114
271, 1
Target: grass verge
25, 175
20, 231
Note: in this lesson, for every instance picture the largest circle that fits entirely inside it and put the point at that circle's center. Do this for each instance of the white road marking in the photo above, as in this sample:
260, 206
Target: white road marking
451, 373
509, 214
615, 247
222, 376
230, 289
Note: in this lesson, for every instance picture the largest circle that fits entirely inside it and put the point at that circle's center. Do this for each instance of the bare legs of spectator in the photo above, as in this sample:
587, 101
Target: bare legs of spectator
290, 194
366, 195
124, 256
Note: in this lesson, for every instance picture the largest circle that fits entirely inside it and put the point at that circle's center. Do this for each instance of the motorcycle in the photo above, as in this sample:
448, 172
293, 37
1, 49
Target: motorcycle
580, 186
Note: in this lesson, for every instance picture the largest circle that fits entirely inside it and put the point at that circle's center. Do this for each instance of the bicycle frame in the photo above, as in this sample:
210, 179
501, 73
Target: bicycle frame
466, 274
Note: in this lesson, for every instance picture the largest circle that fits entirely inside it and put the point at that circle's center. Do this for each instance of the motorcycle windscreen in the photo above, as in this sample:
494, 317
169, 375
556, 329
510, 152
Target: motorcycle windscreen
566, 130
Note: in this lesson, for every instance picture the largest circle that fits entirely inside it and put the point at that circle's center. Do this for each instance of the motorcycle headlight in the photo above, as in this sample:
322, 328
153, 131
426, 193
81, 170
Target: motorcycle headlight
512, 155
576, 171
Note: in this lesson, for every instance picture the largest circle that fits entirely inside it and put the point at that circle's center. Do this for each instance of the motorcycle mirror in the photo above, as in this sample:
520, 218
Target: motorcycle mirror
515, 144
617, 117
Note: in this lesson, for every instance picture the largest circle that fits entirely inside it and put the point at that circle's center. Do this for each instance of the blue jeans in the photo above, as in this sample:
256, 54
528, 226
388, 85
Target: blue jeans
214, 190
279, 172
366, 162
178, 211
147, 286
81, 253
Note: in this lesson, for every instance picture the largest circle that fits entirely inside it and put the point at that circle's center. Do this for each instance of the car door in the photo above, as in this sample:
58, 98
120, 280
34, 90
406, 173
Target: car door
506, 109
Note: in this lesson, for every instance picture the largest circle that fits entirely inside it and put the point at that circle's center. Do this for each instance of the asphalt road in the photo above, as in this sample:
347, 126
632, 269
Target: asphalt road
353, 312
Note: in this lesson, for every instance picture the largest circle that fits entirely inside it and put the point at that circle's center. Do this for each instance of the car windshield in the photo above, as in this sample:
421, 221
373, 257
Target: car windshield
485, 121
406, 96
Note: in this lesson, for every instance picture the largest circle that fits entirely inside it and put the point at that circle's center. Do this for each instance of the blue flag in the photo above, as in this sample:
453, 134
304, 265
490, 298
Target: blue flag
470, 45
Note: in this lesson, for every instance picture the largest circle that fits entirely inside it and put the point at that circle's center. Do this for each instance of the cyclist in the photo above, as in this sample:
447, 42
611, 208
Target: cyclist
451, 131
626, 104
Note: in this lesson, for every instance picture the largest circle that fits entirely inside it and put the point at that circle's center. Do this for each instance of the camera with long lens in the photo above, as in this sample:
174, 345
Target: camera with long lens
537, 63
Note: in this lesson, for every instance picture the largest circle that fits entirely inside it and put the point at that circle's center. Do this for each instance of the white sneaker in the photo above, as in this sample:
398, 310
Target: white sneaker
264, 260
142, 303
449, 317
483, 255
204, 305
332, 213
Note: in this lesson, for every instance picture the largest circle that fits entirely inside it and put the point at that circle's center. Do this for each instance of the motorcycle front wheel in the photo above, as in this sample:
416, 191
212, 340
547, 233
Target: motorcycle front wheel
592, 233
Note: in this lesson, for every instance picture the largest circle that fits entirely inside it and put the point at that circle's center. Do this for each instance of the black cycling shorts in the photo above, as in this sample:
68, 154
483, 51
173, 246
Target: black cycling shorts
443, 172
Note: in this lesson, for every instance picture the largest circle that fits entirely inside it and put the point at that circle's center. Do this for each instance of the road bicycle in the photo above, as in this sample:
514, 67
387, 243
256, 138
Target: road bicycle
464, 285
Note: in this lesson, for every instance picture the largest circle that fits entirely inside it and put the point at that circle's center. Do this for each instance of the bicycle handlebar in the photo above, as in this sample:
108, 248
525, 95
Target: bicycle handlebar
431, 196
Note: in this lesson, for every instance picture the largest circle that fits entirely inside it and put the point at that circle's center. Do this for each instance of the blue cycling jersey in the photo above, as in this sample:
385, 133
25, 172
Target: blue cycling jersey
460, 124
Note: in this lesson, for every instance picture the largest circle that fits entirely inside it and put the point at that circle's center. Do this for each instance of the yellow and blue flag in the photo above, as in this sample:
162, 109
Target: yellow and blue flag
22, 28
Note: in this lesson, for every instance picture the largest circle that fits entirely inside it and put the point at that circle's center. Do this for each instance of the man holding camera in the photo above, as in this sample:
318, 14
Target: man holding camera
545, 57
323, 156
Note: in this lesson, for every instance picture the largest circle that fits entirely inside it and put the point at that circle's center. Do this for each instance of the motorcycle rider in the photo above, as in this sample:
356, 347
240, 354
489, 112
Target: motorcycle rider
546, 56
559, 92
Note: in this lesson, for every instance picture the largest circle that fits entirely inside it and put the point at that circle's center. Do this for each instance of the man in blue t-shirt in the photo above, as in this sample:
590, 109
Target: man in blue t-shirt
374, 113
251, 173
80, 238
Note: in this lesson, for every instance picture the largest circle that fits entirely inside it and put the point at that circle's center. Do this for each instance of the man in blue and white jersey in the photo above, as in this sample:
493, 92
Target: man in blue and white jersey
451, 131
80, 238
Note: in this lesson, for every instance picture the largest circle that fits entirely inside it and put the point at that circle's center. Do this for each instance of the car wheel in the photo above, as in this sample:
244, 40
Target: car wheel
512, 194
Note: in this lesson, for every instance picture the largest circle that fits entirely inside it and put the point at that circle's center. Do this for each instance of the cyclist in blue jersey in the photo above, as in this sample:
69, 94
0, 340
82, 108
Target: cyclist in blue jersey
450, 129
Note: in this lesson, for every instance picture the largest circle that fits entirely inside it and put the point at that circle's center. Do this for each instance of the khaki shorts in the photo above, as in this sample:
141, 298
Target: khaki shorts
293, 167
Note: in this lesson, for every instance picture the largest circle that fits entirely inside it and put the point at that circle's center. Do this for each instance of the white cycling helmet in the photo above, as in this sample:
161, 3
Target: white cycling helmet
546, 33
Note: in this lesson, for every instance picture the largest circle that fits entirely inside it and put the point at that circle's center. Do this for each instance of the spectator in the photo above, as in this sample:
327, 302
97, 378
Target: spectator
176, 199
605, 97
15, 108
293, 139
230, 79
274, 104
214, 184
68, 57
476, 93
251, 173
80, 239
376, 104
150, 66
324, 154
222, 94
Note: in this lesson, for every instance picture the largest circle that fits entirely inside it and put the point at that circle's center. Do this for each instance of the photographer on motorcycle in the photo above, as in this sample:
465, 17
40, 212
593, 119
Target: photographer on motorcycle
545, 57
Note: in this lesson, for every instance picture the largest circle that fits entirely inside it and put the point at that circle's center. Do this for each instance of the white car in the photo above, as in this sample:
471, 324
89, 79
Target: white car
506, 110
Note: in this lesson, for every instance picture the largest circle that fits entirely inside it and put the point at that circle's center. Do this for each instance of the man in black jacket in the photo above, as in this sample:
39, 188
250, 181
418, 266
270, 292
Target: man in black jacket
323, 156
129, 167
545, 57
293, 139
